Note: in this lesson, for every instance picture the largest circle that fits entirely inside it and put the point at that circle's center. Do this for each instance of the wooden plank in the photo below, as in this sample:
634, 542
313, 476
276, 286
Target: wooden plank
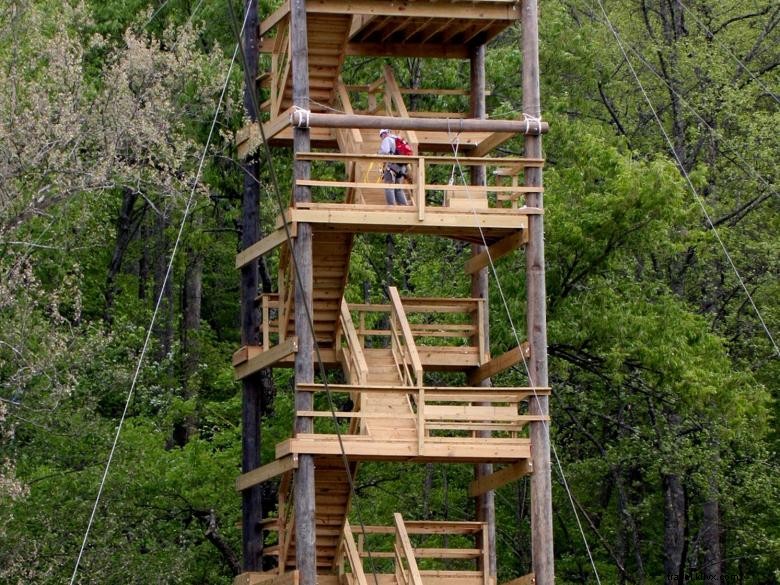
462, 392
468, 10
267, 244
364, 447
430, 159
529, 579
394, 216
246, 353
406, 547
275, 17
499, 478
500, 363
353, 555
266, 359
269, 578
494, 252
493, 140
266, 472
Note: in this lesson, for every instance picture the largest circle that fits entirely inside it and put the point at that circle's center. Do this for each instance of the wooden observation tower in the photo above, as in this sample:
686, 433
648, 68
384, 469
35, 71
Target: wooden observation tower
384, 351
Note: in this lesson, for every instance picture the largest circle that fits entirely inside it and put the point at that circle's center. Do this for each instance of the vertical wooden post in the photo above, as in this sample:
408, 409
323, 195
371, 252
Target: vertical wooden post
252, 513
541, 485
305, 546
485, 503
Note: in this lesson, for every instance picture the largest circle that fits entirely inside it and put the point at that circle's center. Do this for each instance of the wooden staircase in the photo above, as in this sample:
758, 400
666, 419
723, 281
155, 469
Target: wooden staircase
331, 251
390, 414
332, 501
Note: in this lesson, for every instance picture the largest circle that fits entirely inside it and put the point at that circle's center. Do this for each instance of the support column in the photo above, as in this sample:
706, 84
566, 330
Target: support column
541, 485
305, 546
252, 512
485, 503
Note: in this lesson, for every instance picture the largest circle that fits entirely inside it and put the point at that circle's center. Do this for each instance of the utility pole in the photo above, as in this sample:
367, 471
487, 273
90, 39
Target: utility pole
541, 483
485, 503
252, 386
305, 546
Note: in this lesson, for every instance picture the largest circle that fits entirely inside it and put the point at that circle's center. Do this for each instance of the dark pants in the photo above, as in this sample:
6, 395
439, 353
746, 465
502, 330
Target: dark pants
393, 174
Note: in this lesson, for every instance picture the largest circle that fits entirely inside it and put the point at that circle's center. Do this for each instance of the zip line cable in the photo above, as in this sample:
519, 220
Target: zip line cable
309, 317
748, 168
688, 179
712, 36
525, 362
154, 315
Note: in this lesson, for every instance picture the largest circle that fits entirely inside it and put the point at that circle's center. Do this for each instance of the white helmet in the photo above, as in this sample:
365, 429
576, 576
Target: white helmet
384, 131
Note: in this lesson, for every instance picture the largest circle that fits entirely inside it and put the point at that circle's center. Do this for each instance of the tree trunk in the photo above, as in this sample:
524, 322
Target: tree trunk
163, 289
710, 538
125, 230
675, 542
193, 295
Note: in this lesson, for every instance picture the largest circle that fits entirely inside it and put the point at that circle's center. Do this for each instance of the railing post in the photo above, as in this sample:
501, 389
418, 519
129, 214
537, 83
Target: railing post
420, 418
420, 188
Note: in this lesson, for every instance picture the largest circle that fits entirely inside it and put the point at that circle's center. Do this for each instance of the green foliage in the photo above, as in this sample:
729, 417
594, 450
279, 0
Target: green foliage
659, 366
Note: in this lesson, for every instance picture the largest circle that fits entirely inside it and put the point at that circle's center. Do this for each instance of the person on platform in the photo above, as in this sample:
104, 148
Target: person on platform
393, 172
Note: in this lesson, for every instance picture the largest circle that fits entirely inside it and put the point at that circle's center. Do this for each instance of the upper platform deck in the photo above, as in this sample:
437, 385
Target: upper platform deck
338, 29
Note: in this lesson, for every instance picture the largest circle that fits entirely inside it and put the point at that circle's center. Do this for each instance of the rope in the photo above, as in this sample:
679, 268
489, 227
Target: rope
187, 208
302, 115
525, 365
688, 179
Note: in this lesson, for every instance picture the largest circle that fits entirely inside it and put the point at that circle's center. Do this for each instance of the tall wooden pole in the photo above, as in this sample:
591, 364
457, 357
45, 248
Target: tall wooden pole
485, 503
305, 546
541, 485
252, 387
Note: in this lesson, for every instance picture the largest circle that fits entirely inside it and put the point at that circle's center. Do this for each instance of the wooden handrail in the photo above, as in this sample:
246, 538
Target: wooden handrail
406, 334
405, 551
353, 342
353, 556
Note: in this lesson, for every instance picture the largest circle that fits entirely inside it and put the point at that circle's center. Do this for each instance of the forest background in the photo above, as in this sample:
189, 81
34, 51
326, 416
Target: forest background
665, 379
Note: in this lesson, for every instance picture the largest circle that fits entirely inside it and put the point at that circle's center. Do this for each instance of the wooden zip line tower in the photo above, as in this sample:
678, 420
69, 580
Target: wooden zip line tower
385, 350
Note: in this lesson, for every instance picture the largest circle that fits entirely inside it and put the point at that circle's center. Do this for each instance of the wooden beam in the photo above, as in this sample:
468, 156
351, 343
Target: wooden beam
267, 244
466, 10
529, 579
394, 216
244, 353
274, 578
494, 252
266, 359
266, 472
499, 478
275, 17
497, 138
507, 162
249, 137
315, 120
500, 363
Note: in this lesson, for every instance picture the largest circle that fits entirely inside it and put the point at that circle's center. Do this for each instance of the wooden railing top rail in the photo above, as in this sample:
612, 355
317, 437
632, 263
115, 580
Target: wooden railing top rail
413, 90
353, 342
407, 550
353, 556
411, 304
495, 393
411, 346
416, 527
433, 159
